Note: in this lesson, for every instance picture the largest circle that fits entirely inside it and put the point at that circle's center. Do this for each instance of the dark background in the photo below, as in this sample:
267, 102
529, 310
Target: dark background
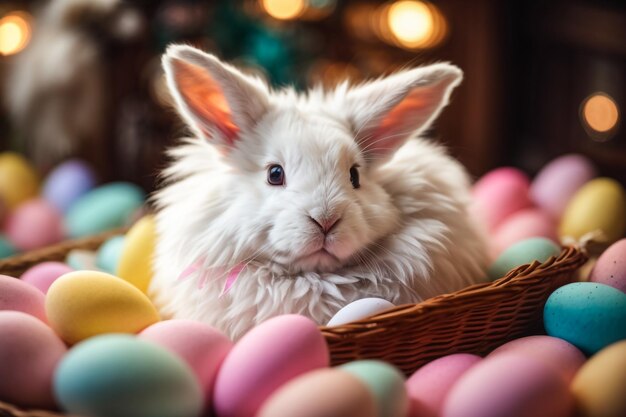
529, 66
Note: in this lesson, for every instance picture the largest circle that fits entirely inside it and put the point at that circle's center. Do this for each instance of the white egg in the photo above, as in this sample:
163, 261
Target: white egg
360, 309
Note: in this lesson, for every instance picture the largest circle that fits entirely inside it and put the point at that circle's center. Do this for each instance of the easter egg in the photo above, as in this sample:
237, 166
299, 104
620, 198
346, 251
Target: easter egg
34, 224
386, 384
588, 315
499, 194
430, 384
42, 275
268, 356
135, 264
200, 345
19, 296
360, 309
29, 353
598, 208
522, 225
610, 268
83, 304
555, 185
321, 393
6, 248
103, 208
123, 376
67, 183
521, 253
555, 352
509, 385
109, 253
81, 259
600, 383
18, 180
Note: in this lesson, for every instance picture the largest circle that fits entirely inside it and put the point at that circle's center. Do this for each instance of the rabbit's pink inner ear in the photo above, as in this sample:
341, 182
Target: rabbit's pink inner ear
205, 100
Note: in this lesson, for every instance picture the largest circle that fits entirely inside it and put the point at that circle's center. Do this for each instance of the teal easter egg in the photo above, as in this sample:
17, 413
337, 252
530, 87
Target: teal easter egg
587, 314
109, 254
103, 208
522, 253
385, 382
6, 248
118, 375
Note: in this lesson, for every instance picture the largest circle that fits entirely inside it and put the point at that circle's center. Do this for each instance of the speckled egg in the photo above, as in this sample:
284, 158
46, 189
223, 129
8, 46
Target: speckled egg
42, 275
34, 224
524, 252
67, 183
18, 180
135, 264
83, 304
19, 296
29, 353
600, 384
499, 194
522, 225
321, 393
588, 315
360, 309
555, 185
555, 352
200, 345
103, 208
109, 253
598, 209
509, 385
429, 385
385, 382
610, 269
123, 376
268, 356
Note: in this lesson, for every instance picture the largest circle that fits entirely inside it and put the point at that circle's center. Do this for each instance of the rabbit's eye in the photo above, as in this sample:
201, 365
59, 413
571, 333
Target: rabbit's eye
275, 175
354, 176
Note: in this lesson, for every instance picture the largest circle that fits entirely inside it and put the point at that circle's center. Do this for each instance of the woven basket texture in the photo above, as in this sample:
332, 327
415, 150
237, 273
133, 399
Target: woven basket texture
474, 320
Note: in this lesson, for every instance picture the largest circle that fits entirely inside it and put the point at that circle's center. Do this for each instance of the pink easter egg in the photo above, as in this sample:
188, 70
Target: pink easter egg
555, 185
522, 225
499, 194
42, 275
555, 352
610, 269
34, 224
29, 353
429, 385
509, 385
16, 295
200, 345
268, 356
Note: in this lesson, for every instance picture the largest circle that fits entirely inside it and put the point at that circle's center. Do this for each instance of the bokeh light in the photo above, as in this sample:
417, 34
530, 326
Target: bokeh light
15, 33
412, 24
600, 114
284, 9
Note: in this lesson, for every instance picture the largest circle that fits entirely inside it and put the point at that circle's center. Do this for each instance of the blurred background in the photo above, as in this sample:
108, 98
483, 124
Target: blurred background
82, 78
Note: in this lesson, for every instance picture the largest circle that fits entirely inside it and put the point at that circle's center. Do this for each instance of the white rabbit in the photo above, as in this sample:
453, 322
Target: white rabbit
309, 201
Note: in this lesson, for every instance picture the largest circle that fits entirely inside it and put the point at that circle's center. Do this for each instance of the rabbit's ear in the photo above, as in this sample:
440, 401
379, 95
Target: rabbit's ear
386, 112
215, 99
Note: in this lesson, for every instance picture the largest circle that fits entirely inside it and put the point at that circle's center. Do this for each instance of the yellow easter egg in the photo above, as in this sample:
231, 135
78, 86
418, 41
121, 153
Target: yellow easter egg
135, 265
599, 385
18, 179
82, 304
598, 207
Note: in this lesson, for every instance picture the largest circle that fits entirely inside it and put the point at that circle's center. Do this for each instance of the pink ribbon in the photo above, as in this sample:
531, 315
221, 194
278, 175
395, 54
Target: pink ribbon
233, 274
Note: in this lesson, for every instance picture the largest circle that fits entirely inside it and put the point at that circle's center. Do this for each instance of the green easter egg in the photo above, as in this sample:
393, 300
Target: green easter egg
6, 248
109, 254
521, 253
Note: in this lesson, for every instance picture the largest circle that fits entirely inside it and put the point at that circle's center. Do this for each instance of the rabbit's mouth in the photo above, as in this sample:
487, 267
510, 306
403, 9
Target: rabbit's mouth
320, 260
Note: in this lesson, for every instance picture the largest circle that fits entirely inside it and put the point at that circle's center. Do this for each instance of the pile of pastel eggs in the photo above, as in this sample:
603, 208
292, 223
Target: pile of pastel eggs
67, 204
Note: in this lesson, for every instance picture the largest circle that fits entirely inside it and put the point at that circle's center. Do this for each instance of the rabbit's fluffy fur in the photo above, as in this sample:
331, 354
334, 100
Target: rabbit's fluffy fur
404, 234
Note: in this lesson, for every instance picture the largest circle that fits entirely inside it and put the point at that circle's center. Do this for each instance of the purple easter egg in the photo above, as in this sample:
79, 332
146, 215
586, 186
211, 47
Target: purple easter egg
68, 182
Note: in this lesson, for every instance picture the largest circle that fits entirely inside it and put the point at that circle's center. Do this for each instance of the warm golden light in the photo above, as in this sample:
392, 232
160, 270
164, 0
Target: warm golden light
411, 22
14, 33
600, 113
284, 9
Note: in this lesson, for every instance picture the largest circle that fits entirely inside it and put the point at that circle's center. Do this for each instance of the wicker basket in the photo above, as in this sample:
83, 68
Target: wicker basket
474, 320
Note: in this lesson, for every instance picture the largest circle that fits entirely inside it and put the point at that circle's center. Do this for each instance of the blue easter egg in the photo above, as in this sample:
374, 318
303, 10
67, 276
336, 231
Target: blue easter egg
118, 375
67, 183
6, 248
109, 254
590, 316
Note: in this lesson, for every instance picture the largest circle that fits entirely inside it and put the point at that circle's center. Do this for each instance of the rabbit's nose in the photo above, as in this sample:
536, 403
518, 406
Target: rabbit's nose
326, 224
